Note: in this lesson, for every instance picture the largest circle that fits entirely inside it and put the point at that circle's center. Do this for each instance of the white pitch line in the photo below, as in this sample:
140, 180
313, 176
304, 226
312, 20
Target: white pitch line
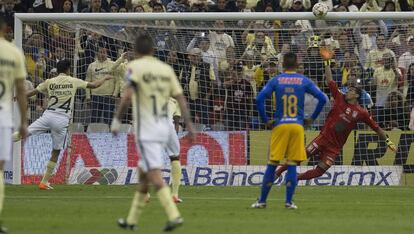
364, 203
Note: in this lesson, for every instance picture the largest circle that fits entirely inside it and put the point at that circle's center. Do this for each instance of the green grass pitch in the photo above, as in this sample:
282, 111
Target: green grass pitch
221, 210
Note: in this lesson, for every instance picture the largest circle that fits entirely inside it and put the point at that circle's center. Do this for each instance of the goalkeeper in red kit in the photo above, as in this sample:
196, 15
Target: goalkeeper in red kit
341, 120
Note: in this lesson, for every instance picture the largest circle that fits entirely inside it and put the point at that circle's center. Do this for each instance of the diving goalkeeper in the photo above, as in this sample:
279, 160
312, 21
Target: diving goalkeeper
342, 119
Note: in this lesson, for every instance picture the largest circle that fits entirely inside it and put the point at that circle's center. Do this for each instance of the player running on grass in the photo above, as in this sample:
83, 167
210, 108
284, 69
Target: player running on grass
151, 83
288, 134
61, 91
341, 120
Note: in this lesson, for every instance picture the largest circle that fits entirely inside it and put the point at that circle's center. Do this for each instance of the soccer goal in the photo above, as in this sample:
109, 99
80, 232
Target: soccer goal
222, 62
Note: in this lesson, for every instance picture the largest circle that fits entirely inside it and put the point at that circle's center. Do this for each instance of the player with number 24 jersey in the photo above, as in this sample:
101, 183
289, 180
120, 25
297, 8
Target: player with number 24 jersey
61, 91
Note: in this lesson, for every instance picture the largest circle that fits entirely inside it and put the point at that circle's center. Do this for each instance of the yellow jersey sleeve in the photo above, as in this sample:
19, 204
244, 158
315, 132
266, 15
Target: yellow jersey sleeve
80, 84
42, 87
20, 68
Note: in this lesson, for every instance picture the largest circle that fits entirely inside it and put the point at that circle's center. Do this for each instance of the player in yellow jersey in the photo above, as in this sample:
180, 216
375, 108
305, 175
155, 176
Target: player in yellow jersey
12, 74
61, 91
173, 148
151, 83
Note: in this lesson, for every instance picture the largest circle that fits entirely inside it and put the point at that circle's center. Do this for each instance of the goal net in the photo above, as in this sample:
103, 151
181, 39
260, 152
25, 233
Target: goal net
222, 66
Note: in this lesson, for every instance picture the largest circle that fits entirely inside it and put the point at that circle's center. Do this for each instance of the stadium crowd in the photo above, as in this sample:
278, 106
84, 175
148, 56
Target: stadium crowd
223, 65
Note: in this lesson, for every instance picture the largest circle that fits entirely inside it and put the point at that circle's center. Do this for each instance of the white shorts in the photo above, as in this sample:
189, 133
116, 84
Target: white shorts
6, 143
56, 123
151, 155
173, 144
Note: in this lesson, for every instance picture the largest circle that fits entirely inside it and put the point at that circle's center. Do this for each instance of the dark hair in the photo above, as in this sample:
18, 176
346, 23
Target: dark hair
358, 90
290, 61
157, 4
63, 66
144, 44
387, 3
71, 5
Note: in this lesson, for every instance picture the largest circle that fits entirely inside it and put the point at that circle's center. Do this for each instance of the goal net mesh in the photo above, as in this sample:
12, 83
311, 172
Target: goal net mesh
222, 65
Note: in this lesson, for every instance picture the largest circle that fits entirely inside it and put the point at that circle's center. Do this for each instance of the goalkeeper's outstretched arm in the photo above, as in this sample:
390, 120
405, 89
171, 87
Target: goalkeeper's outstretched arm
328, 72
381, 133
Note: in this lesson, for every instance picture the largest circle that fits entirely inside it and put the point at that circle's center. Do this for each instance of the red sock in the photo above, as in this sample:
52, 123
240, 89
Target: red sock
310, 174
280, 169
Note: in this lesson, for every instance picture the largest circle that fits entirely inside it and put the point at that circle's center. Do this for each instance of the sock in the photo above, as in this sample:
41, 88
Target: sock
310, 174
291, 181
175, 176
49, 170
1, 190
268, 179
138, 204
281, 169
170, 208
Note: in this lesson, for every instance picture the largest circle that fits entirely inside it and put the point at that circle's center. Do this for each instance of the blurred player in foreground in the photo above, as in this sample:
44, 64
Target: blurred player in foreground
12, 74
342, 119
288, 135
173, 148
151, 83
61, 91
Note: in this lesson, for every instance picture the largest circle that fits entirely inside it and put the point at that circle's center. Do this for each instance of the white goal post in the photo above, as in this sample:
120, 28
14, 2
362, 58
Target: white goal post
124, 19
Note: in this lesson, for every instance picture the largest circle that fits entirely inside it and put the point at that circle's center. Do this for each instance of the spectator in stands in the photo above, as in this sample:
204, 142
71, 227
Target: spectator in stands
220, 41
103, 98
345, 45
199, 6
178, 6
398, 41
196, 79
239, 100
139, 8
313, 63
114, 8
8, 12
295, 5
77, 5
207, 54
223, 6
260, 48
242, 6
407, 58
396, 112
95, 6
374, 59
57, 55
355, 79
370, 5
410, 80
350, 61
366, 36
262, 4
348, 5
386, 81
67, 7
36, 54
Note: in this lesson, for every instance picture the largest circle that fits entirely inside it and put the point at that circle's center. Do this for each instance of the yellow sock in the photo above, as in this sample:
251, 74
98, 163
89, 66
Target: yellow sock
170, 208
175, 176
1, 190
138, 204
49, 170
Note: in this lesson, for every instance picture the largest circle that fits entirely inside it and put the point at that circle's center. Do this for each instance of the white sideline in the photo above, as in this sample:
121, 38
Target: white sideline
393, 202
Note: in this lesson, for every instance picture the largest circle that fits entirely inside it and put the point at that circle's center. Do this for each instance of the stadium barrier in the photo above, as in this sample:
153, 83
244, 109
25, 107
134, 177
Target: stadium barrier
217, 158
228, 175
